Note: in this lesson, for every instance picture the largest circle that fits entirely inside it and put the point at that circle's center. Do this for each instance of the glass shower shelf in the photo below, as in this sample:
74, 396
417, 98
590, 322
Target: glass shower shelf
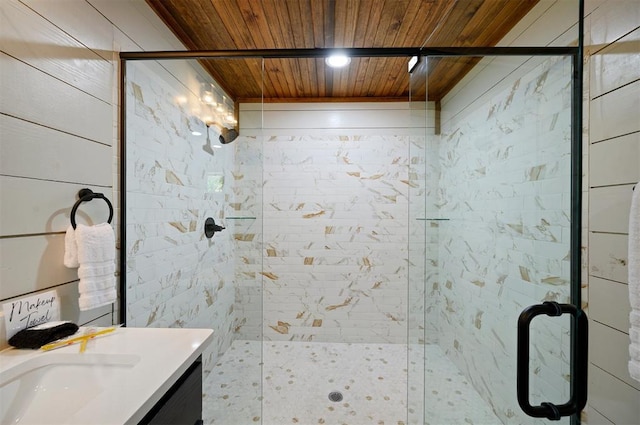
240, 218
433, 219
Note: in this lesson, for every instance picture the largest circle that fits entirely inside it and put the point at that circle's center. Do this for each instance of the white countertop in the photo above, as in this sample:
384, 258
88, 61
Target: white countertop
161, 357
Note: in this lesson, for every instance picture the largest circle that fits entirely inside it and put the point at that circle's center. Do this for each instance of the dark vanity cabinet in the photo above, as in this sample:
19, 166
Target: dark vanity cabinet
182, 404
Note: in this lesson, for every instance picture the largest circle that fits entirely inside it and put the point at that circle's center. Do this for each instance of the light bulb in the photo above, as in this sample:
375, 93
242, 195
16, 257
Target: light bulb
207, 97
338, 60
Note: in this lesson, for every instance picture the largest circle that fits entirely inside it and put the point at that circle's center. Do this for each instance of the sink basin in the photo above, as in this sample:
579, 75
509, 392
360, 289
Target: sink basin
52, 387
117, 380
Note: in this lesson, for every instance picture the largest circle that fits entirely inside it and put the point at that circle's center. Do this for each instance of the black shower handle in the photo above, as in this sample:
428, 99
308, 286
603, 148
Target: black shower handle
210, 227
580, 332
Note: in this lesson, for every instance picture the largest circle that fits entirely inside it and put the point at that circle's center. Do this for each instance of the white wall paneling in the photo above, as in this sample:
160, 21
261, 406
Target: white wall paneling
35, 96
354, 118
608, 256
612, 20
611, 354
595, 418
70, 158
35, 206
58, 116
616, 65
613, 93
27, 35
80, 20
614, 399
33, 263
615, 113
140, 24
609, 303
615, 161
609, 208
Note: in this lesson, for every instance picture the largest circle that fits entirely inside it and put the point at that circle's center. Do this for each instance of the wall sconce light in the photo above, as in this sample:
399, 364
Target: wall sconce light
207, 94
221, 106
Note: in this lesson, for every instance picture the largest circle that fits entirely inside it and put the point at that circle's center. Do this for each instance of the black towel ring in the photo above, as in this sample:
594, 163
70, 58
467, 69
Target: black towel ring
86, 195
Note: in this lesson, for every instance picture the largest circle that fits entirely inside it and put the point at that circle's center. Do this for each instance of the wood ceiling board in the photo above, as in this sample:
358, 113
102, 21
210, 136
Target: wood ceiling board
355, 34
293, 24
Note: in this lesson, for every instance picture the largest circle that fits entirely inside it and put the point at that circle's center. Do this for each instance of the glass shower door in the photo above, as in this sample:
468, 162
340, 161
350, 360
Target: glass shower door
421, 250
335, 244
499, 210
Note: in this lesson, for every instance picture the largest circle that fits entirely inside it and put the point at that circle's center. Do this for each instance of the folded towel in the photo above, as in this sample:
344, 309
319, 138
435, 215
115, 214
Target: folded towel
97, 283
634, 282
96, 255
96, 270
70, 249
95, 243
96, 299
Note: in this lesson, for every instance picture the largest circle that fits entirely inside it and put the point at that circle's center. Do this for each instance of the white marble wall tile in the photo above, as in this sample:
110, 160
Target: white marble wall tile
175, 276
335, 238
248, 206
504, 185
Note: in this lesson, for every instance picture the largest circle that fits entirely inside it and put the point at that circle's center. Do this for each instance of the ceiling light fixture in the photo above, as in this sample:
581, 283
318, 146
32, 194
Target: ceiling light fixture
337, 60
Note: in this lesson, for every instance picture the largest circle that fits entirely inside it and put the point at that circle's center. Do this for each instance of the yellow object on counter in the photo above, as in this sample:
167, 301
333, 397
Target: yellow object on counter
81, 339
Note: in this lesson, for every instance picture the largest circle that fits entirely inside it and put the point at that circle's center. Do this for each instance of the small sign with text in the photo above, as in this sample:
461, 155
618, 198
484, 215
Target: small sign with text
31, 311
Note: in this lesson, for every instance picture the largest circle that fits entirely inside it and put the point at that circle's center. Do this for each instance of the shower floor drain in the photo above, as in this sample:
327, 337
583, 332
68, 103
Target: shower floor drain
335, 396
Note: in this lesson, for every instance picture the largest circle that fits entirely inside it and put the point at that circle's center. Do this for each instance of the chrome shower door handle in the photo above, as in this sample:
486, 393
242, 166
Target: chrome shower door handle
580, 331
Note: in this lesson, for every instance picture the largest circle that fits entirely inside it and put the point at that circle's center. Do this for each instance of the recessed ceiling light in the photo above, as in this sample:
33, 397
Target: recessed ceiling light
338, 60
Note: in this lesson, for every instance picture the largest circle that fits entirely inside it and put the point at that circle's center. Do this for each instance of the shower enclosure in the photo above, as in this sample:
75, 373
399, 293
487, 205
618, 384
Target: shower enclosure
375, 257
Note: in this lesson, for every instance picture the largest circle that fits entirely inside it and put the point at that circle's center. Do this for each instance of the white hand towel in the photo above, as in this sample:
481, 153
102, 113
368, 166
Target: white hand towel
634, 283
96, 299
70, 249
96, 283
96, 270
96, 244
96, 255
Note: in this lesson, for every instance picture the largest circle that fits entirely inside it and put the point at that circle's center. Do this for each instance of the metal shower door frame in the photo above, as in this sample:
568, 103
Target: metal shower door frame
576, 54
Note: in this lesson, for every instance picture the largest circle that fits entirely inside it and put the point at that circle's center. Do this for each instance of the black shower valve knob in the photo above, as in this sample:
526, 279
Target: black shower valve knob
210, 227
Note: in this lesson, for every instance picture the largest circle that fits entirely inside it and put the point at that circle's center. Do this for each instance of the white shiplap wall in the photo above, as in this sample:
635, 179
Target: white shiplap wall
58, 129
612, 39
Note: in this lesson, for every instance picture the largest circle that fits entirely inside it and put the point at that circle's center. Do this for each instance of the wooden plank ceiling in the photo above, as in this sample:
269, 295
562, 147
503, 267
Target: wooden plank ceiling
298, 24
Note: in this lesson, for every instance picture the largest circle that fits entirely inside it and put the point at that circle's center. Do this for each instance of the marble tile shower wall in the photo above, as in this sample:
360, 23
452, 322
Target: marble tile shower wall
335, 238
504, 187
247, 208
423, 227
176, 277
416, 242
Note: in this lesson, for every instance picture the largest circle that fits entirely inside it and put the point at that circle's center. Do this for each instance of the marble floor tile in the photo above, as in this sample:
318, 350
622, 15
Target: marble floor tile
372, 378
